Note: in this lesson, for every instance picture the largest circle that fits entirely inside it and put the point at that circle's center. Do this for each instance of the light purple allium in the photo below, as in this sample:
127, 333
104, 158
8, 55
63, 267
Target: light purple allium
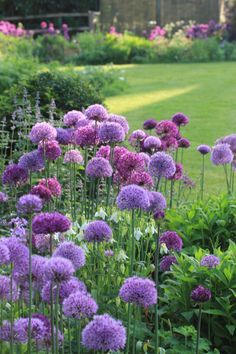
32, 161
29, 204
166, 262
64, 136
145, 157
149, 124
14, 175
72, 252
73, 156
83, 123
221, 154
104, 151
5, 289
210, 261
111, 132
139, 291
108, 253
43, 192
98, 167
130, 162
49, 223
98, 231
119, 152
4, 254
86, 136
79, 305
136, 136
18, 251
41, 243
152, 143
172, 241
104, 333
157, 202
38, 264
21, 328
121, 120
162, 165
229, 139
53, 185
5, 331
166, 128
72, 117
169, 143
133, 197
200, 294
50, 149
142, 179
183, 143
178, 172
58, 269
204, 149
180, 119
41, 132
3, 197
96, 112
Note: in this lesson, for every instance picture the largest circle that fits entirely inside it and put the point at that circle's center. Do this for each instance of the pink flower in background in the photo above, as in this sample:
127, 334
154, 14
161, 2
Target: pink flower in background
156, 32
43, 25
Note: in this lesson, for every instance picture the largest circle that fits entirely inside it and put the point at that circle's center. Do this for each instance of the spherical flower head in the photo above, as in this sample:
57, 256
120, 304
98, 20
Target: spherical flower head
158, 215
73, 156
83, 123
136, 136
221, 154
139, 291
58, 269
5, 289
169, 143
130, 162
133, 197
121, 120
180, 119
3, 197
229, 139
42, 192
21, 328
18, 251
86, 136
72, 117
210, 261
98, 167
41, 132
96, 112
32, 161
5, 331
14, 175
172, 241
108, 253
119, 152
204, 149
183, 143
38, 264
104, 333
79, 305
111, 132
142, 179
4, 254
98, 231
152, 143
200, 294
104, 151
145, 157
64, 136
149, 124
53, 185
72, 252
157, 202
167, 262
29, 204
178, 172
161, 165
50, 149
49, 223
166, 128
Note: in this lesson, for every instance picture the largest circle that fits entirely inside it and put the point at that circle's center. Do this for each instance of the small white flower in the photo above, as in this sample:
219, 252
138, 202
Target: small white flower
121, 256
101, 214
138, 234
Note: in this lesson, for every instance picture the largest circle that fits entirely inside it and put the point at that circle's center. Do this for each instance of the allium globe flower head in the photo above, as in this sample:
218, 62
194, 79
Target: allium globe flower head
14, 175
5, 289
50, 150
41, 132
130, 162
158, 215
49, 223
71, 118
53, 185
42, 192
18, 251
161, 165
86, 136
180, 119
178, 172
167, 262
111, 132
142, 179
200, 294
83, 123
210, 261
119, 152
64, 136
139, 291
221, 154
136, 136
73, 156
32, 161
79, 305
58, 269
71, 251
133, 197
3, 197
152, 143
38, 264
169, 143
98, 167
145, 157
96, 112
172, 241
5, 331
166, 128
183, 143
104, 151
4, 254
121, 120
149, 124
104, 333
98, 231
29, 204
21, 328
229, 139
157, 202
203, 149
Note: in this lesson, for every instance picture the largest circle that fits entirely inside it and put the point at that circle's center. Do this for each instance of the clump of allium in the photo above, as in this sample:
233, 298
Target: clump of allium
14, 175
142, 179
98, 231
79, 305
178, 172
161, 165
50, 150
3, 197
72, 252
108, 253
210, 261
73, 156
204, 149
58, 269
98, 167
104, 333
111, 132
43, 192
64, 136
53, 185
21, 328
121, 120
167, 262
4, 254
172, 241
139, 291
49, 223
130, 162
200, 294
29, 204
136, 137
180, 119
152, 143
86, 136
41, 132
104, 151
5, 289
71, 118
133, 197
96, 112
221, 154
32, 161
166, 128
149, 124
183, 143
157, 202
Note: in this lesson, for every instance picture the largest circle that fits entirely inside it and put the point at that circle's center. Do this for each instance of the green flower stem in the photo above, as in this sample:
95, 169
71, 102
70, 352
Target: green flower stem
56, 313
227, 180
134, 330
157, 251
78, 335
198, 329
61, 328
12, 312
202, 177
172, 183
30, 285
51, 301
69, 337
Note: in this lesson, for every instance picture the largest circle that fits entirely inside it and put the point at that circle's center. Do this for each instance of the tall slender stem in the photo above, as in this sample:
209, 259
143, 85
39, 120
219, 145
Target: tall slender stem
12, 313
56, 313
202, 176
157, 251
30, 284
227, 179
198, 328
51, 300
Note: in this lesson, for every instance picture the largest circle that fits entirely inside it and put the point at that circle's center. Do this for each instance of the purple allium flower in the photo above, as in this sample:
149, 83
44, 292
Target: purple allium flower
4, 254
221, 154
166, 128
183, 143
53, 185
64, 136
157, 202
98, 231
86, 136
98, 167
142, 179
43, 192
83, 123
204, 149
162, 165
21, 328
167, 262
38, 264
119, 152
32, 161
200, 294
71, 118
41, 242
169, 143
152, 143
136, 136
29, 204
3, 197
104, 151
229, 139
108, 253
14, 175
130, 162
187, 182
18, 251
5, 331
139, 291
149, 124
41, 132
133, 197
178, 172
72, 252
145, 157
111, 132
79, 305
58, 269
5, 289
158, 215
104, 333
210, 261
180, 119
172, 241
50, 149
96, 112
49, 223
121, 120
73, 156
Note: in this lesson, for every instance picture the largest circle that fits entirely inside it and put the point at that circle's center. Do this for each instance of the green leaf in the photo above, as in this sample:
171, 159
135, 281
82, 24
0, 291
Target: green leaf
231, 329
215, 312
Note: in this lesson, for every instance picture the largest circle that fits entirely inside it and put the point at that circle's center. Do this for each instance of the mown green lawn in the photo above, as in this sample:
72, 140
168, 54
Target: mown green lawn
205, 92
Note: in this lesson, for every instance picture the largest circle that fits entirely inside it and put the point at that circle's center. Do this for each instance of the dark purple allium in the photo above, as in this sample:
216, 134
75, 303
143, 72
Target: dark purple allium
49, 223
158, 215
166, 128
178, 172
221, 154
157, 202
167, 262
152, 143
41, 132
108, 253
5, 289
98, 167
200, 294
14, 175
130, 162
79, 305
139, 291
3, 197
50, 149
210, 261
162, 165
180, 119
58, 269
104, 333
142, 179
29, 204
204, 149
98, 231
229, 139
18, 251
121, 120
104, 151
188, 182
169, 143
4, 254
96, 112
72, 252
71, 118
136, 136
149, 124
32, 161
86, 136
64, 136
21, 328
43, 192
53, 185
183, 143
133, 197
111, 132
73, 156
172, 241
145, 157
